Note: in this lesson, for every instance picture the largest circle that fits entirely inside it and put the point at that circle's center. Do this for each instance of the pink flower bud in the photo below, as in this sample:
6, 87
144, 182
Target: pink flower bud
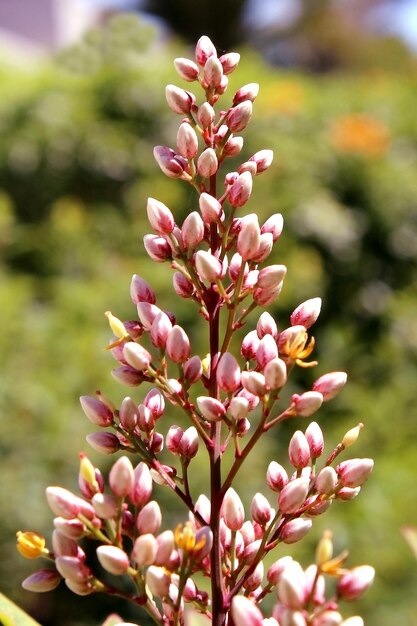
235, 267
354, 472
136, 356
41, 581
348, 493
63, 545
250, 345
330, 384
71, 528
260, 509
145, 549
271, 277
247, 92
121, 477
295, 530
128, 414
267, 351
232, 510
193, 369
273, 225
274, 573
210, 208
157, 248
203, 507
106, 443
265, 297
172, 164
179, 100
160, 217
229, 61
142, 485
238, 408
207, 163
254, 382
233, 146
293, 495
248, 166
255, 579
249, 238
192, 230
228, 373
276, 476
187, 142
306, 313
275, 373
250, 397
113, 559
105, 505
355, 582
160, 329
291, 589
353, 621
211, 409
326, 481
240, 190
307, 403
265, 247
315, 439
238, 117
173, 438
158, 581
330, 618
262, 159
208, 266
72, 568
178, 345
146, 421
189, 443
97, 412
140, 291
299, 450
245, 613
127, 375
204, 49
81, 588
149, 518
62, 502
187, 69
205, 115
213, 71
182, 286
154, 401
165, 547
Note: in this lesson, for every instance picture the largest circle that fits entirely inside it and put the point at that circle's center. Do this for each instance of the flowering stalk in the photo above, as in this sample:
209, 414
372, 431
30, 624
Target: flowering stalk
219, 258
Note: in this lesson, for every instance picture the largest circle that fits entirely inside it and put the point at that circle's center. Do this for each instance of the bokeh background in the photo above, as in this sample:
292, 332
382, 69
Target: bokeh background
81, 106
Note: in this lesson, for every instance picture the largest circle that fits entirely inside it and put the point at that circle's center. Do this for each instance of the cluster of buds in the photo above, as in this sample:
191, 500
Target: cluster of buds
219, 262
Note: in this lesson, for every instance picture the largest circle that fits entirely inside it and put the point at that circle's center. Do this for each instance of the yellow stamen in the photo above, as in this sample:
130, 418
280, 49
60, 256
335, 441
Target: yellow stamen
30, 545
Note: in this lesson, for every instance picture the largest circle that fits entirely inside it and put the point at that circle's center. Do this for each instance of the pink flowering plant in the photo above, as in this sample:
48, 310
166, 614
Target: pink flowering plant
213, 562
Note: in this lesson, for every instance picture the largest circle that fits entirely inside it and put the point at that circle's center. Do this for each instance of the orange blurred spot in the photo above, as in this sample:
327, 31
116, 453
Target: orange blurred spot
360, 134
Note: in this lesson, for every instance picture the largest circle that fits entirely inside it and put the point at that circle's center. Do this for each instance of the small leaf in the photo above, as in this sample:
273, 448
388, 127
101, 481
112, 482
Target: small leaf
11, 615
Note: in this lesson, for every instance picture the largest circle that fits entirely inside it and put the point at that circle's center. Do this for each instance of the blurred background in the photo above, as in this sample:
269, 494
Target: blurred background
81, 106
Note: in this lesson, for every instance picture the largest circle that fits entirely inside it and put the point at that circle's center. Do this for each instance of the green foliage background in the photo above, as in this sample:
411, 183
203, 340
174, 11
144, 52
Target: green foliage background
76, 168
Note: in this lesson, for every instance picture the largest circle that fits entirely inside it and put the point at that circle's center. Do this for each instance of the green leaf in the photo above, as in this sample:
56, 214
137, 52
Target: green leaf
11, 615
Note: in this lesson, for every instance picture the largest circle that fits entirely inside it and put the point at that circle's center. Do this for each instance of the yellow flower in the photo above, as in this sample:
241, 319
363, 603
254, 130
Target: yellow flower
30, 545
360, 134
296, 348
185, 538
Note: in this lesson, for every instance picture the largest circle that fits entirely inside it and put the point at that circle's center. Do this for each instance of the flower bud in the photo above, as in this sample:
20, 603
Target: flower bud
291, 588
210, 207
293, 495
315, 439
240, 190
348, 493
255, 579
113, 559
179, 100
187, 142
354, 472
229, 61
213, 71
307, 403
160, 217
254, 382
211, 409
228, 373
182, 286
249, 238
267, 351
351, 436
160, 329
238, 117
233, 146
158, 581
355, 582
145, 549
136, 356
62, 502
262, 159
271, 277
247, 92
42, 581
121, 477
105, 505
81, 588
106, 443
295, 530
250, 345
273, 225
265, 247
326, 481
142, 485
72, 568
71, 528
207, 163
353, 621
306, 313
154, 401
172, 164
149, 518
204, 49
187, 69
127, 375
193, 369
192, 230
128, 414
178, 345
157, 248
141, 291
260, 509
245, 613
232, 510
205, 115
208, 266
299, 450
275, 373
276, 476
189, 443
330, 618
330, 385
165, 546
173, 438
97, 412
238, 408
274, 572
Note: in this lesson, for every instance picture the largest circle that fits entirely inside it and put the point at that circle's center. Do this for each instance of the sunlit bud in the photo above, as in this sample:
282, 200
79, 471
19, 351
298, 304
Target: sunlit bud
326, 481
146, 421
127, 376
29, 544
250, 397
149, 518
228, 373
140, 291
193, 369
136, 356
245, 613
249, 238
116, 325
307, 403
161, 327
247, 92
355, 582
275, 373
229, 61
293, 495
210, 408
240, 190
172, 164
255, 579
204, 49
156, 444
203, 543
248, 166
315, 439
160, 217
329, 618
250, 345
155, 402
229, 179
72, 568
164, 547
235, 266
113, 559
276, 476
353, 621
265, 297
158, 581
221, 89
71, 528
81, 588
238, 117
121, 477
291, 589
267, 350
192, 230
186, 68
295, 530
62, 502
208, 266
330, 384
157, 248
173, 438
142, 485
175, 387
348, 493
207, 163
306, 313
178, 345
254, 382
271, 277
265, 246
97, 412
205, 115
354, 472
232, 510
42, 581
247, 533
233, 146
106, 443
273, 225
105, 505
213, 71
128, 414
145, 549
260, 509
351, 436
238, 408
262, 159
324, 550
299, 450
251, 551
182, 285
187, 142
274, 573
189, 443
179, 100
210, 208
